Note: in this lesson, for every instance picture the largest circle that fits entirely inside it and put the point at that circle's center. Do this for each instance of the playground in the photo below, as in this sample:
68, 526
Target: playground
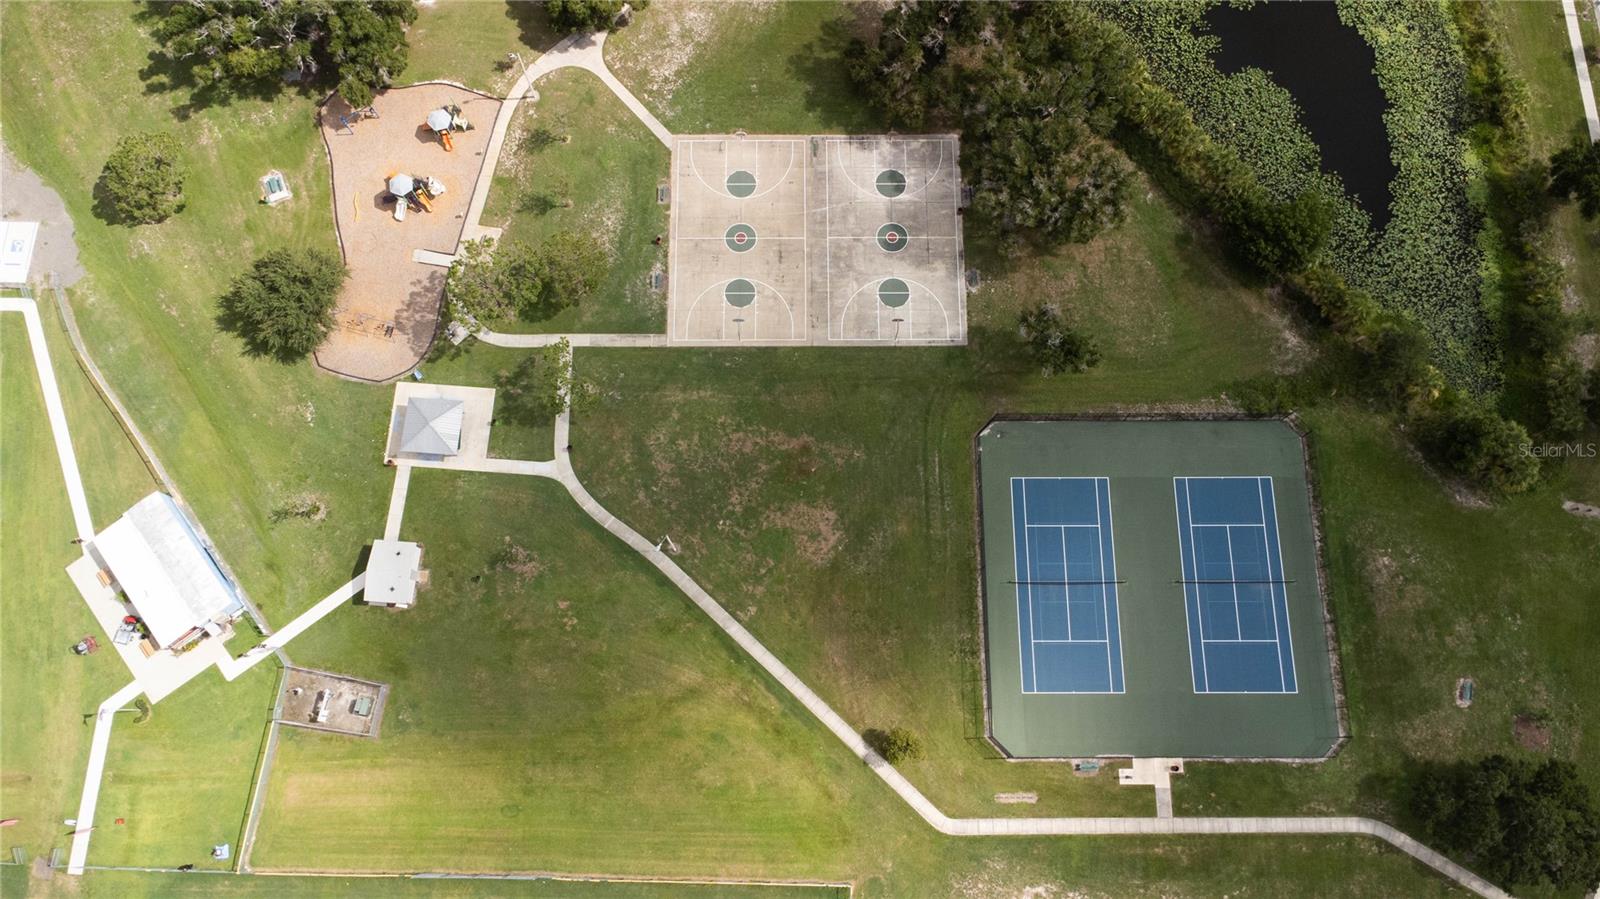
389, 309
823, 240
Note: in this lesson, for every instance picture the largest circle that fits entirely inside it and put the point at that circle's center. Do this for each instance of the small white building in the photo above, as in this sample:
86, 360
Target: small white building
16, 251
162, 568
394, 572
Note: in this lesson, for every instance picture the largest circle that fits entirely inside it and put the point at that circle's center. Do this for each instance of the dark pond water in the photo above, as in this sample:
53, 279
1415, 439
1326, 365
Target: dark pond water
1327, 67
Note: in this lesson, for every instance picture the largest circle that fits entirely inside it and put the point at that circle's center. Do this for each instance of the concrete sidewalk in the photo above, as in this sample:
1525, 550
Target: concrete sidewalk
1585, 86
55, 412
91, 778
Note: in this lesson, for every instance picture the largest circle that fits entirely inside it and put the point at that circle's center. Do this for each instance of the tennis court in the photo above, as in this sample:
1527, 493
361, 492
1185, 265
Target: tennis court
1151, 589
1234, 585
1067, 593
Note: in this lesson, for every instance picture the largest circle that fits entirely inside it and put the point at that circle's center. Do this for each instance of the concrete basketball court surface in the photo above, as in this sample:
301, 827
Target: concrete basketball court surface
824, 240
389, 309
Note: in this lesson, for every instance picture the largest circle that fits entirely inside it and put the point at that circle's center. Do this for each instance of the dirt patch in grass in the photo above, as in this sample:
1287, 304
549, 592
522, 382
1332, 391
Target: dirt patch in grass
1532, 732
519, 561
815, 529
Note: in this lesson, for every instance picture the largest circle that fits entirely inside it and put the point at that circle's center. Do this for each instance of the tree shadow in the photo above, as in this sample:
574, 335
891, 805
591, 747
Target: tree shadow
533, 24
525, 395
540, 203
822, 67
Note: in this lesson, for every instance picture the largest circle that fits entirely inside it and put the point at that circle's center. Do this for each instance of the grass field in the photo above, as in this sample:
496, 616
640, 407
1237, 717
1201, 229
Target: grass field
579, 160
1536, 35
824, 496
44, 688
774, 68
467, 41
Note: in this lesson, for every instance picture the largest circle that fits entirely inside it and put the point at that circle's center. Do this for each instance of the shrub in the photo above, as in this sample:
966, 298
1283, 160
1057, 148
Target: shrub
1275, 238
896, 745
142, 182
1514, 820
1473, 442
1564, 405
283, 306
1593, 402
1055, 346
588, 15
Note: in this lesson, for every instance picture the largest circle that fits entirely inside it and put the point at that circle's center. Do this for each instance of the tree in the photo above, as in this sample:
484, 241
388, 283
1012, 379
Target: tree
571, 264
283, 306
1563, 388
1474, 442
588, 15
541, 386
142, 182
1593, 402
490, 284
896, 745
1035, 88
1055, 346
231, 46
1051, 176
1277, 238
1575, 173
1515, 821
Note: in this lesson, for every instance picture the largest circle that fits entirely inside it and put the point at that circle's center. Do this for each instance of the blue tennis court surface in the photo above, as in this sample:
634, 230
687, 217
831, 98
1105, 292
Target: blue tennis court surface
1066, 590
1233, 584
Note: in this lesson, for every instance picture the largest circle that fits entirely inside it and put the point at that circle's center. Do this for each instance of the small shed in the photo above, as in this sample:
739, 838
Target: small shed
432, 426
16, 251
394, 571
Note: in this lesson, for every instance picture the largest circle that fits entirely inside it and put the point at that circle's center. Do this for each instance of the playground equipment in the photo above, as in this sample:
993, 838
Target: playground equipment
407, 192
274, 188
446, 119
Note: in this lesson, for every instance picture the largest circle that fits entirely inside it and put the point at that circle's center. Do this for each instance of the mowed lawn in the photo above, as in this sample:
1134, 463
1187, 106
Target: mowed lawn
826, 495
1536, 35
45, 690
578, 160
469, 42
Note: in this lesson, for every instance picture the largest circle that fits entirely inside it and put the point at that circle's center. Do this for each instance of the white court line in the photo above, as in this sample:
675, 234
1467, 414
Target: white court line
723, 190
932, 179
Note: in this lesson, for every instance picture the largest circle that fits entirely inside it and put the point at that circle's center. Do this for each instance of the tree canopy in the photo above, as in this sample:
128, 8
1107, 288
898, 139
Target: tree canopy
492, 284
1514, 820
588, 15
251, 45
1055, 346
283, 306
1034, 90
1575, 174
142, 182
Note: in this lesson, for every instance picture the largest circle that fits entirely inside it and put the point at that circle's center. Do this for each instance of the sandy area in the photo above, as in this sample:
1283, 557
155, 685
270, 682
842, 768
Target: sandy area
389, 310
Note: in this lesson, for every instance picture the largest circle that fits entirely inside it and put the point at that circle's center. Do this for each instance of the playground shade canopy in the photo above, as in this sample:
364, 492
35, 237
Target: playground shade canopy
400, 185
432, 426
440, 119
165, 571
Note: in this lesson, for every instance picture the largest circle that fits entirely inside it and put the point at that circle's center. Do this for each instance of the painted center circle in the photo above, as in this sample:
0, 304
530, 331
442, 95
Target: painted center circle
893, 292
892, 238
741, 183
891, 183
739, 293
740, 238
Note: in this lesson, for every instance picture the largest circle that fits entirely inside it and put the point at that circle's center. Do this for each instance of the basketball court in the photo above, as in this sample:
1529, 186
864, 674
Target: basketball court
786, 240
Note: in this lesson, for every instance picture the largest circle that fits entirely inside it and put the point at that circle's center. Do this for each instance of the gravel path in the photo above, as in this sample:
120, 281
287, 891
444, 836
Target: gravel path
27, 198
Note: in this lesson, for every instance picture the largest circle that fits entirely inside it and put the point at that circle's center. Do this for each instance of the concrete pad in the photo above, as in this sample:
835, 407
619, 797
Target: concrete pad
477, 413
388, 311
782, 240
159, 675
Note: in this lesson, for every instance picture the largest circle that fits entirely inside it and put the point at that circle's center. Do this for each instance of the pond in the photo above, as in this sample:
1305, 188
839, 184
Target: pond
1328, 69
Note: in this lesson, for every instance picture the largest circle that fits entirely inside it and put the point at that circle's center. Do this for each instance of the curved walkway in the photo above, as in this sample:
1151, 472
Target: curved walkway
914, 797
